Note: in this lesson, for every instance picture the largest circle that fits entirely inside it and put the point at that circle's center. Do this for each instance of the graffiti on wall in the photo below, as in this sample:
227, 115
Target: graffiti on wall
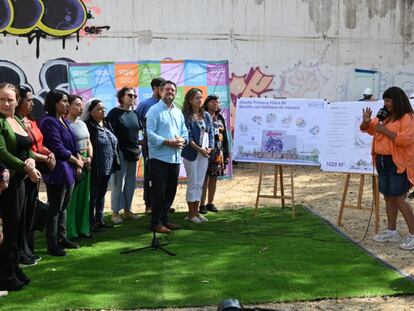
91, 30
303, 80
36, 19
52, 75
403, 79
252, 84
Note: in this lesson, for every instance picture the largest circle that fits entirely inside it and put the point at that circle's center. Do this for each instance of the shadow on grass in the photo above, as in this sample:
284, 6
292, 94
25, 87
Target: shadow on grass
267, 258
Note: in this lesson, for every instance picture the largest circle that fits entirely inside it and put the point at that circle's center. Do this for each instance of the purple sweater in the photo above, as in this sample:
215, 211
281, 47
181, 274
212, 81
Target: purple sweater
62, 142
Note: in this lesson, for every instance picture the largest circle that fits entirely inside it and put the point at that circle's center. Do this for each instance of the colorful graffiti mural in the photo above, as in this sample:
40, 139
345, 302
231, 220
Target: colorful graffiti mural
36, 19
58, 18
252, 84
52, 75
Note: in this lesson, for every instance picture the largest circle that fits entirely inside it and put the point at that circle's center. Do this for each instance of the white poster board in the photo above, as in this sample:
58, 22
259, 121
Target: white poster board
279, 131
347, 149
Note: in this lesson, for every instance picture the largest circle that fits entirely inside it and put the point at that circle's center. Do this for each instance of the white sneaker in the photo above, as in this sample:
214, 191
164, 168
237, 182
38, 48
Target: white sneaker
202, 218
116, 218
3, 293
387, 236
194, 219
408, 242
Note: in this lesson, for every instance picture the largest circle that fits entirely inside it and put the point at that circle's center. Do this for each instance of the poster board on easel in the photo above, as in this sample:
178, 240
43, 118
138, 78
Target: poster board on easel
278, 132
347, 149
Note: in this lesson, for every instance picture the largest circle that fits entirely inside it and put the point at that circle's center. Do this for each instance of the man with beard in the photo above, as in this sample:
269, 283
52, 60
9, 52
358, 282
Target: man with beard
142, 110
167, 135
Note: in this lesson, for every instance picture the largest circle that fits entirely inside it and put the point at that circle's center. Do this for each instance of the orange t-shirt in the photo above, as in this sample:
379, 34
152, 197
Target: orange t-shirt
401, 148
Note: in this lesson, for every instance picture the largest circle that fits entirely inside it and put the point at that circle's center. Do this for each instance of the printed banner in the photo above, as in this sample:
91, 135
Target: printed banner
347, 149
279, 131
102, 80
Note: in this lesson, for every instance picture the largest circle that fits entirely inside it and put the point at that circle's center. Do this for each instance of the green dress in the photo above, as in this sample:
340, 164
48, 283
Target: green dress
77, 217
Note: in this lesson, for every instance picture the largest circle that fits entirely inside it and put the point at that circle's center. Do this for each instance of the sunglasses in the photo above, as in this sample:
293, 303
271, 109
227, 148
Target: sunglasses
132, 95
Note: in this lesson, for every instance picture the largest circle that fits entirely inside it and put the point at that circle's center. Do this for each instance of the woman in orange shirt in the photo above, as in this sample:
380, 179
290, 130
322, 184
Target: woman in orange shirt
393, 152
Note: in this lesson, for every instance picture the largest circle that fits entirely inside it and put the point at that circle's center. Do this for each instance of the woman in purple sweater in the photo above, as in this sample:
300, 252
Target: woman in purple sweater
59, 139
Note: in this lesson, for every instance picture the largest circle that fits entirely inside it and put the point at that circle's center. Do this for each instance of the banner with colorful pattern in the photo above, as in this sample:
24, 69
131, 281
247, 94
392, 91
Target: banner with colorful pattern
102, 80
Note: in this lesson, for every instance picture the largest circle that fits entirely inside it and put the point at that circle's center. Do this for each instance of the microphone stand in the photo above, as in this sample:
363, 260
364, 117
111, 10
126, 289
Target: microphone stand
155, 243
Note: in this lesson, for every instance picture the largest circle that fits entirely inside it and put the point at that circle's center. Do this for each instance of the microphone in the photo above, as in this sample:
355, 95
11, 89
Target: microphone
382, 114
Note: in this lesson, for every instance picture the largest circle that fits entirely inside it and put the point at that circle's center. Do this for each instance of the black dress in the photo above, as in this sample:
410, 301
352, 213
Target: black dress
12, 204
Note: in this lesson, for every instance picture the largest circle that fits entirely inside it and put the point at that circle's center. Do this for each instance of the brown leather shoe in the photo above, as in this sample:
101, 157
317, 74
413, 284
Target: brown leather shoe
172, 226
160, 229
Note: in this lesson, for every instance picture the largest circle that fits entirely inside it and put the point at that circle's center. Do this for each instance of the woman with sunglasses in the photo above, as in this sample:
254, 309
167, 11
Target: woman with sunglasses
124, 122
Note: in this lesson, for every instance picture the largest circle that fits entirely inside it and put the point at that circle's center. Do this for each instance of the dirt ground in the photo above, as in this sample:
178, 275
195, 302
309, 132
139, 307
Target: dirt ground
322, 193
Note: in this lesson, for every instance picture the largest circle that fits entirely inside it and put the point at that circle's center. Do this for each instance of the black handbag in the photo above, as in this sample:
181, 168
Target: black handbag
40, 214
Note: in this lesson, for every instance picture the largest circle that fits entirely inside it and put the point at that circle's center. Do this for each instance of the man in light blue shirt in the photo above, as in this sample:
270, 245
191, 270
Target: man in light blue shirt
167, 135
142, 110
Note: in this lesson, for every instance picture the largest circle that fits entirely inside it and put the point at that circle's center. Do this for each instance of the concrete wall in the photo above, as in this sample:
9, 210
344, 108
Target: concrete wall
292, 48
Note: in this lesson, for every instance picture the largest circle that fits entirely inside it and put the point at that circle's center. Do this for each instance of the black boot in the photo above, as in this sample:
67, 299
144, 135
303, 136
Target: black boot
203, 209
212, 208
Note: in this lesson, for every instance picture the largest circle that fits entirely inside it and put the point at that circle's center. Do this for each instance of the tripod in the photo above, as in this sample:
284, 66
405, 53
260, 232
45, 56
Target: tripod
155, 245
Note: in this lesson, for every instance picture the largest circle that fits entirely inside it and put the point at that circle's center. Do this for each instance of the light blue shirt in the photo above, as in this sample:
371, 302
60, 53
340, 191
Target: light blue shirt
165, 123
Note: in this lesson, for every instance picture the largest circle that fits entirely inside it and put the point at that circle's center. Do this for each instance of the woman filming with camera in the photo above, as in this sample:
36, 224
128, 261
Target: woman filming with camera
393, 152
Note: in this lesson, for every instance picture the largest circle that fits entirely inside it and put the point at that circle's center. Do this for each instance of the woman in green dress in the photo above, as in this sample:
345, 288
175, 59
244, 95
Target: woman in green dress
77, 221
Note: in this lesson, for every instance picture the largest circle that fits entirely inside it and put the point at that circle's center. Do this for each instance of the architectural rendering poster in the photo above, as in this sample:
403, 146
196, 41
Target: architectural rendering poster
279, 131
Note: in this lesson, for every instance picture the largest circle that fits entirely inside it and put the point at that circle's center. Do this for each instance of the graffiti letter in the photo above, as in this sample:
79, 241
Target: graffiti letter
63, 17
27, 13
6, 14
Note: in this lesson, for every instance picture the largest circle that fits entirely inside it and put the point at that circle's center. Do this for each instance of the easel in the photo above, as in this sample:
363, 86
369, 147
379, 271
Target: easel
278, 169
375, 194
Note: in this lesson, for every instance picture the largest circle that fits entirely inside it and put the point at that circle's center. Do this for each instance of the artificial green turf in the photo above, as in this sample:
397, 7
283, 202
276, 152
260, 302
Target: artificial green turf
267, 258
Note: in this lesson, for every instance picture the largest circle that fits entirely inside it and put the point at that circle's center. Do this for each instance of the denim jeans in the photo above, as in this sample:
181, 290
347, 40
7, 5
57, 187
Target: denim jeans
99, 187
123, 185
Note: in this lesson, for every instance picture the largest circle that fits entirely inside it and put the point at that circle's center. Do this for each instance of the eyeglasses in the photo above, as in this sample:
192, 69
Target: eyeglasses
132, 95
